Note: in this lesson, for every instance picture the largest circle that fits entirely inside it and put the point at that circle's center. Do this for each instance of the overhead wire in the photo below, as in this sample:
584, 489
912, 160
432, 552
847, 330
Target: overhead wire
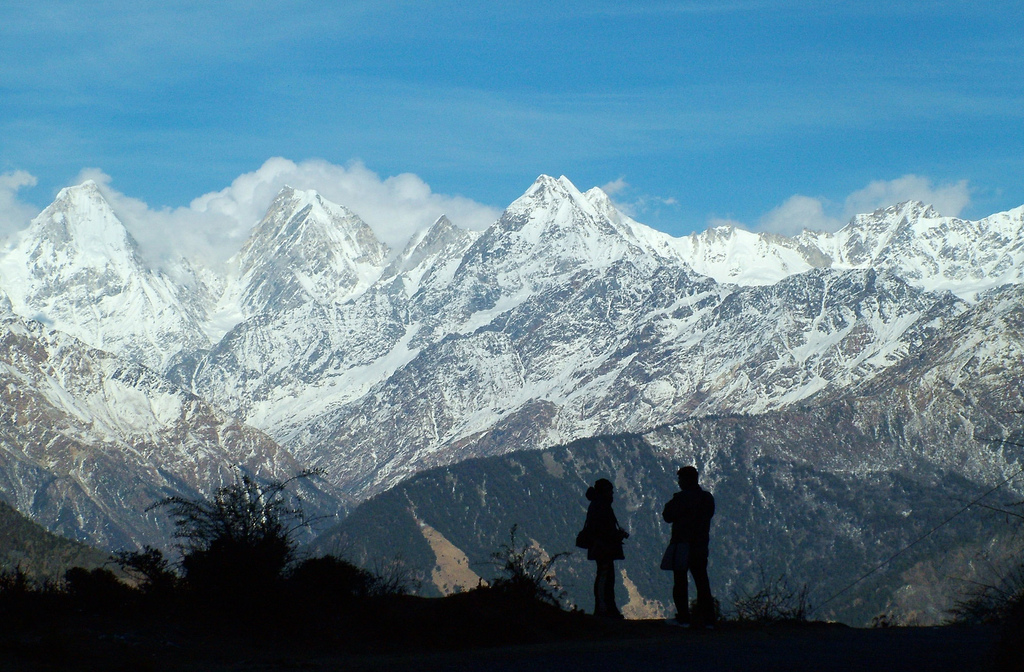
927, 534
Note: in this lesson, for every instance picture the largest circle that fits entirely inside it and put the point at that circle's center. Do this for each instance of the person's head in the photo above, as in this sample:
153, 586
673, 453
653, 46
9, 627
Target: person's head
687, 477
602, 489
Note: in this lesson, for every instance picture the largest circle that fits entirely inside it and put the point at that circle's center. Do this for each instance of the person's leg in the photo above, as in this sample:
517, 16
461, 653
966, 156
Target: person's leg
602, 605
609, 589
705, 601
681, 595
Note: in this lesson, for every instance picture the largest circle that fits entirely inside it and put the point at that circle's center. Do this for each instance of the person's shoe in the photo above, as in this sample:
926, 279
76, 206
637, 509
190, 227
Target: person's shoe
676, 622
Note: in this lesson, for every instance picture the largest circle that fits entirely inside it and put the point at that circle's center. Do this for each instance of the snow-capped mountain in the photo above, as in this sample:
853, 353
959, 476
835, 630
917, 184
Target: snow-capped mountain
565, 319
431, 252
936, 253
910, 240
306, 249
89, 440
78, 270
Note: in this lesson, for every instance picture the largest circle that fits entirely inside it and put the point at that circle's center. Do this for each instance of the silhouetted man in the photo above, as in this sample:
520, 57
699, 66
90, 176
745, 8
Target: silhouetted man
690, 511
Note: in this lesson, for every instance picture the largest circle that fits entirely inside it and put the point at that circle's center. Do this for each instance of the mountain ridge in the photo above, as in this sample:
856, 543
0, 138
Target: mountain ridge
565, 319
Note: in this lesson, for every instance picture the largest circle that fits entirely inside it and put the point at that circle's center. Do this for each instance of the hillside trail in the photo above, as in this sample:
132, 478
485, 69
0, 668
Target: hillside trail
782, 649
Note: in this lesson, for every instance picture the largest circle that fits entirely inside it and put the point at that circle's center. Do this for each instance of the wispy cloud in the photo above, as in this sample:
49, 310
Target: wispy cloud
635, 205
615, 186
799, 213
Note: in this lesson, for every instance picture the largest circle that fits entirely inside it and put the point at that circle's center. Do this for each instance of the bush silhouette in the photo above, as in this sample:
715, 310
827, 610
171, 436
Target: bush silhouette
240, 540
98, 589
149, 569
525, 572
329, 579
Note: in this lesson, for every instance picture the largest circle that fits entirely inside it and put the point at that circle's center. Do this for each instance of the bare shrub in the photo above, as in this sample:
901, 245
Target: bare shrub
394, 577
991, 602
772, 601
241, 538
526, 571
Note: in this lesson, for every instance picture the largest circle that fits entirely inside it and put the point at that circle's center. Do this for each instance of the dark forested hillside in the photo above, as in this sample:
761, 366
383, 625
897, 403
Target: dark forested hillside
37, 552
778, 515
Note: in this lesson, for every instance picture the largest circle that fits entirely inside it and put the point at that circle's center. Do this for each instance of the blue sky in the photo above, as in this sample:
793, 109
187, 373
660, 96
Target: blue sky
774, 114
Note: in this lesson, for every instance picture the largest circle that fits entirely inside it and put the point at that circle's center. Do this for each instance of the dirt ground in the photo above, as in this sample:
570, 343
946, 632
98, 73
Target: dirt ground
795, 649
635, 645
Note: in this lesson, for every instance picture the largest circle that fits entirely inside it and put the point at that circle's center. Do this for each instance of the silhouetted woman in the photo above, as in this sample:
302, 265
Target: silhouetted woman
605, 546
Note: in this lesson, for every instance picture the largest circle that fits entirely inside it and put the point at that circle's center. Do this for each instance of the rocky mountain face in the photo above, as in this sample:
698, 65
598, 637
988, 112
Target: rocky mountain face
305, 250
88, 441
564, 321
855, 496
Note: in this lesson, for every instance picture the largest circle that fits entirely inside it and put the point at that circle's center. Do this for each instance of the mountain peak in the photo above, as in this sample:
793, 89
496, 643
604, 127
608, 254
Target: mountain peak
908, 210
602, 203
88, 185
889, 223
428, 251
81, 230
77, 269
548, 189
290, 198
307, 248
551, 202
597, 195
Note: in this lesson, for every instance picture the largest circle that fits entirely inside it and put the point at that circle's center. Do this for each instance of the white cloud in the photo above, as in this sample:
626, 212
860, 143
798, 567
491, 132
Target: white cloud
166, 234
214, 226
949, 199
14, 214
799, 213
804, 212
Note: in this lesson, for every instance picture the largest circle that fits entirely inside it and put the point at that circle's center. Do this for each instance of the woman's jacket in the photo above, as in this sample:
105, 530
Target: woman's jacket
605, 534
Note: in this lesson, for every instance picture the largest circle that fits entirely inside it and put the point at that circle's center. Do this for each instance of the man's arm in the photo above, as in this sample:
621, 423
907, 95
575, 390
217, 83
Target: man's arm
669, 512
